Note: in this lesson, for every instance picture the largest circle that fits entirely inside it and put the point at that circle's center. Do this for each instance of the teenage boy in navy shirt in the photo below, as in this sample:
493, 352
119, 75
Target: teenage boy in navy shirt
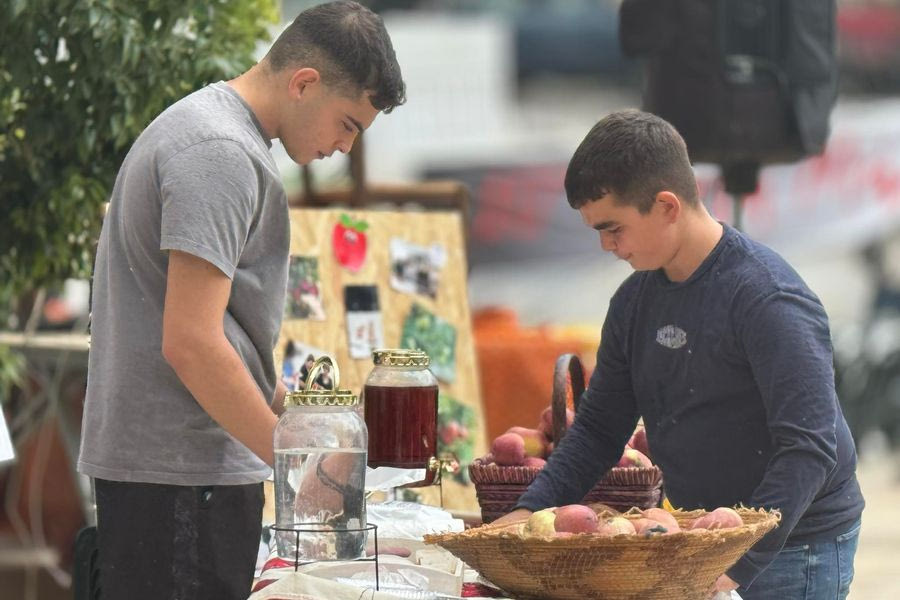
726, 353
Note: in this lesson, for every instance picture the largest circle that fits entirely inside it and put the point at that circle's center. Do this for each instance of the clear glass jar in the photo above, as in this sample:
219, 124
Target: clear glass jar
320, 469
400, 402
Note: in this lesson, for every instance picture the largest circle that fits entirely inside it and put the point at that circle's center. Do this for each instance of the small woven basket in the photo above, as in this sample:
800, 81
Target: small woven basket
498, 488
678, 566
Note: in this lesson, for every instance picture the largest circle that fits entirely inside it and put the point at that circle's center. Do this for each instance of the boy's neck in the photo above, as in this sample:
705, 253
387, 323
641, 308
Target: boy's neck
700, 234
257, 86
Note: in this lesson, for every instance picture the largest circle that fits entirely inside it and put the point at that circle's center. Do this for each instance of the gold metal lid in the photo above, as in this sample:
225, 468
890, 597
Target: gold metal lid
400, 357
320, 397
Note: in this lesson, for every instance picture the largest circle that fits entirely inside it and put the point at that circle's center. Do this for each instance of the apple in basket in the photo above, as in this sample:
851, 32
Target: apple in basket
663, 517
508, 449
648, 527
633, 458
575, 518
616, 526
561, 522
534, 461
639, 442
546, 424
535, 442
721, 518
541, 523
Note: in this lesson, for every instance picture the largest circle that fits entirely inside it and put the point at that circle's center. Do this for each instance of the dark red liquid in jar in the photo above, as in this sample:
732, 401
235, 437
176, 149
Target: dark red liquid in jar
402, 424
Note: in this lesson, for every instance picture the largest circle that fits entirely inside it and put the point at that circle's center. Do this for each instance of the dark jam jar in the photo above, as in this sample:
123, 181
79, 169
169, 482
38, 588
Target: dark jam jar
400, 402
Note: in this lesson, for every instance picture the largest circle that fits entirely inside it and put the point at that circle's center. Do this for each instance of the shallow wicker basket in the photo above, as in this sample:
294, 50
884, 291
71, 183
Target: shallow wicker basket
498, 488
679, 566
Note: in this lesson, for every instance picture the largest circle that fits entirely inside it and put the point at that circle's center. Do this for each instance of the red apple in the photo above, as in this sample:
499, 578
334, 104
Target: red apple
648, 527
721, 518
575, 518
535, 443
546, 424
508, 449
638, 441
663, 517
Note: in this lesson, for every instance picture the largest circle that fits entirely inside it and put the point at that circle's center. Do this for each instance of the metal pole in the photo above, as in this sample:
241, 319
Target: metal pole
737, 211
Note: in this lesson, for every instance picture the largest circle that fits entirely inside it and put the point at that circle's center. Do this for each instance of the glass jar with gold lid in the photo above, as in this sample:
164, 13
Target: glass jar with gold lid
400, 405
320, 467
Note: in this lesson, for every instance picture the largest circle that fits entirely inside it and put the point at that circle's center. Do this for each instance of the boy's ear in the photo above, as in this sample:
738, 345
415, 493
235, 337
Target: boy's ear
670, 204
301, 80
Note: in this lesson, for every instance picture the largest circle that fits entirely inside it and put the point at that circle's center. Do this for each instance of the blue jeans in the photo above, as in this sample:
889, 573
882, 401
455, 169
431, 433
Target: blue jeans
820, 571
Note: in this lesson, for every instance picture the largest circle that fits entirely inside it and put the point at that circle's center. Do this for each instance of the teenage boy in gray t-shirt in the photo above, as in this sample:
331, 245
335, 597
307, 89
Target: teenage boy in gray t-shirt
188, 295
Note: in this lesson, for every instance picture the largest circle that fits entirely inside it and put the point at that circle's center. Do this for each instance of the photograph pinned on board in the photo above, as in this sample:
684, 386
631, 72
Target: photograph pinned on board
304, 292
296, 364
416, 269
423, 330
364, 329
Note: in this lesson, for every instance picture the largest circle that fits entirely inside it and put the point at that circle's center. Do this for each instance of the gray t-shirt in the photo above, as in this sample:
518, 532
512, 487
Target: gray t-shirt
199, 179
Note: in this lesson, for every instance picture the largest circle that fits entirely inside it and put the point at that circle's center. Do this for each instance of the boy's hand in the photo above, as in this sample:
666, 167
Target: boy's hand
723, 584
520, 514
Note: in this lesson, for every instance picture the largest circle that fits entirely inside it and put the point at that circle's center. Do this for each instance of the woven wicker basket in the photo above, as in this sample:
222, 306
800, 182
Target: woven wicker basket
498, 488
679, 566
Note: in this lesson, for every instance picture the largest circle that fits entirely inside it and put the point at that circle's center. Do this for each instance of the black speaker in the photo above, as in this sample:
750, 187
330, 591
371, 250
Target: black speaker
745, 82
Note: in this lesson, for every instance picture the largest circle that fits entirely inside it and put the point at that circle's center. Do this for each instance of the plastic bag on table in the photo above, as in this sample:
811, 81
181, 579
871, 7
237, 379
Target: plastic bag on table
297, 586
410, 521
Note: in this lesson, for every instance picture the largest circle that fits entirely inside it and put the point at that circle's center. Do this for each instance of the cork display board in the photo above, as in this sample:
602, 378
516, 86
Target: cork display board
363, 278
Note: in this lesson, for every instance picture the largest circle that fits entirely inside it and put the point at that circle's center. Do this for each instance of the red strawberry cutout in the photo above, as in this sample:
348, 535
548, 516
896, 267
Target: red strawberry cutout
349, 242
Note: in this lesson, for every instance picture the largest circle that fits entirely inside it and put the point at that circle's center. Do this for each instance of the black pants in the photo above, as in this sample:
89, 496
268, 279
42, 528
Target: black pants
170, 542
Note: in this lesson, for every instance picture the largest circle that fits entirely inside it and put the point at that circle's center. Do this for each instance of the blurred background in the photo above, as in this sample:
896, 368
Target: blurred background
500, 94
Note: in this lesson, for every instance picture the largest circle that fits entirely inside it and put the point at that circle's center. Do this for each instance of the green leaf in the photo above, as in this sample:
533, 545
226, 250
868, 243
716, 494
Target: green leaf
17, 7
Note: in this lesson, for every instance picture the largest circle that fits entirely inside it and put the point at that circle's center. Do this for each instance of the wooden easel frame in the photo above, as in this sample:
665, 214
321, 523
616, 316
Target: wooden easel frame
431, 195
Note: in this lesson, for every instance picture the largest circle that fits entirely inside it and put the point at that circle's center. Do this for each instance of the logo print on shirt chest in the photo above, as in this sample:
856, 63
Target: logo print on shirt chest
671, 336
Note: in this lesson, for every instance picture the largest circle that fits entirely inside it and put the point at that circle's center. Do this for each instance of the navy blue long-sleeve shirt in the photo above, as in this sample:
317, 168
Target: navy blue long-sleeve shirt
732, 371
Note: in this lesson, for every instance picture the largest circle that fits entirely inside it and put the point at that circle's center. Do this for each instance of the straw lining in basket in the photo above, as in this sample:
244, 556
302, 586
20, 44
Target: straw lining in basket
679, 566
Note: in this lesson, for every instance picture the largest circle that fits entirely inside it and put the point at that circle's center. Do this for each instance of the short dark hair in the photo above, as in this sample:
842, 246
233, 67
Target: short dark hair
634, 155
349, 46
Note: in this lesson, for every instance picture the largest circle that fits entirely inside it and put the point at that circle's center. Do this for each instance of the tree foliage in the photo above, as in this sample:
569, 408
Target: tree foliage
79, 80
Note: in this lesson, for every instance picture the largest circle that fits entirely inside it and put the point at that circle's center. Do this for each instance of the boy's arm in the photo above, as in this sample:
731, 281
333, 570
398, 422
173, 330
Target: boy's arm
788, 345
605, 419
194, 344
